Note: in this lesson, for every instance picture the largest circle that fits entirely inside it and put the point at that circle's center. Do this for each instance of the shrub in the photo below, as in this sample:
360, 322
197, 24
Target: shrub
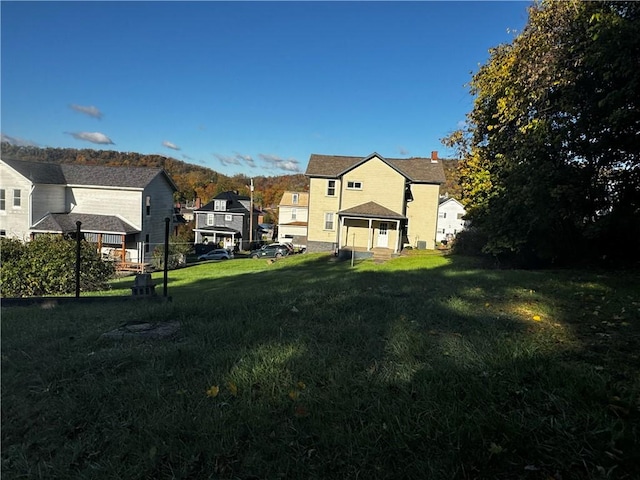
46, 266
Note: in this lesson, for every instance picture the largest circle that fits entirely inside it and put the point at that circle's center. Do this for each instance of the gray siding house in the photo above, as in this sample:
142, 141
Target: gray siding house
225, 220
121, 209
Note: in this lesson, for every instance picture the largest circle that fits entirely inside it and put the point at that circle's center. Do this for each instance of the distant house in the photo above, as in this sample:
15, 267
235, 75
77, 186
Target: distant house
366, 203
450, 219
293, 215
225, 220
121, 209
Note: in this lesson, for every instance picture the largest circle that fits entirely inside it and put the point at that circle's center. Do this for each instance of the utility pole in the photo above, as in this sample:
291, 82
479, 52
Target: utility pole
251, 215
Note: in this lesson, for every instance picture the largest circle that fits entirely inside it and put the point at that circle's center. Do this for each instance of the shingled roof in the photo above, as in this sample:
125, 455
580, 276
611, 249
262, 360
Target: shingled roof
66, 223
415, 169
94, 175
371, 210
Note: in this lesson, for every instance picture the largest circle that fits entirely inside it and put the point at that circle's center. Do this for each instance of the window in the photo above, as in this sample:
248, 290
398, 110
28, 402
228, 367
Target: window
294, 214
3, 233
210, 219
460, 215
148, 204
146, 243
331, 188
328, 221
220, 205
442, 215
16, 198
354, 185
3, 199
228, 218
294, 198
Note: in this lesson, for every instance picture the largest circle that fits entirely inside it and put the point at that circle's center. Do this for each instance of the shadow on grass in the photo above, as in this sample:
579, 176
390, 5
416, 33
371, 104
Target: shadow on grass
416, 368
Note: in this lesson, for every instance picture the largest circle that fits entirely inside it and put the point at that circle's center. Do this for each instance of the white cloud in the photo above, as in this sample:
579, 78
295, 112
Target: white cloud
20, 142
276, 163
236, 159
93, 137
91, 110
170, 145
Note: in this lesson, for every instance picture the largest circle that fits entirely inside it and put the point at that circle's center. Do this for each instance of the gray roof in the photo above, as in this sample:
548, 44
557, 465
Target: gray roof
371, 210
415, 169
233, 203
66, 223
95, 175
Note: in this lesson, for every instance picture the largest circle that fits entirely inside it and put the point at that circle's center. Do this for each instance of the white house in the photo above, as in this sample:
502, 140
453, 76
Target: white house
293, 215
121, 209
450, 219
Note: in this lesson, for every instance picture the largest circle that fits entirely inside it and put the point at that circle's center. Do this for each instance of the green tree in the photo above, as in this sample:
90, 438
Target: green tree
550, 169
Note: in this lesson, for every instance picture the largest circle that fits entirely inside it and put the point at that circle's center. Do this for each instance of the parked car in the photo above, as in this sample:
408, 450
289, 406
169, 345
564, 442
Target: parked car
217, 254
288, 246
274, 250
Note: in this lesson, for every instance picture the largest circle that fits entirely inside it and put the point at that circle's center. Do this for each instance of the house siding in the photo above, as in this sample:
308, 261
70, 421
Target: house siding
319, 204
380, 184
101, 201
15, 220
422, 214
154, 225
47, 199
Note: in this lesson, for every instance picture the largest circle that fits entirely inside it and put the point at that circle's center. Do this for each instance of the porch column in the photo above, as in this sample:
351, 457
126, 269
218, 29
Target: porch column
399, 237
124, 249
100, 244
370, 235
340, 227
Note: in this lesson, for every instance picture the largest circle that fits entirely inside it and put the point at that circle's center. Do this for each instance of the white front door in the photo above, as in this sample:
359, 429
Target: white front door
383, 235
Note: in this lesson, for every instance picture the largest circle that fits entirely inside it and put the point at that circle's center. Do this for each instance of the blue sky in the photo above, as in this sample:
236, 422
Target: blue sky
245, 87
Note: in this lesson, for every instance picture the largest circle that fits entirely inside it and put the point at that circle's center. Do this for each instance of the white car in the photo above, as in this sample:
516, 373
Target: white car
217, 254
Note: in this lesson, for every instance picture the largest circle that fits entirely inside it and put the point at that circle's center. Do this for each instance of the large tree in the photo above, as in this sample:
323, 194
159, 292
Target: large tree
551, 167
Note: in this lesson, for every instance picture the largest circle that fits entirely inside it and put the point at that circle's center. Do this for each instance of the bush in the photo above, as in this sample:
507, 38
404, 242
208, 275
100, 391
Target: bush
46, 266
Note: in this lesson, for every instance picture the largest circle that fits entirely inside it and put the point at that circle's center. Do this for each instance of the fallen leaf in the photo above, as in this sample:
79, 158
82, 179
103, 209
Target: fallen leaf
213, 391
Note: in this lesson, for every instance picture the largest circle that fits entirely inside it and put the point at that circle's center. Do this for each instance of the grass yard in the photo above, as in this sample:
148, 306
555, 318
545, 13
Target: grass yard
423, 367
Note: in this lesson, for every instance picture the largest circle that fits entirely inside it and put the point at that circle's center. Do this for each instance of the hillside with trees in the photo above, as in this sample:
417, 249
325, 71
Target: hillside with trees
193, 181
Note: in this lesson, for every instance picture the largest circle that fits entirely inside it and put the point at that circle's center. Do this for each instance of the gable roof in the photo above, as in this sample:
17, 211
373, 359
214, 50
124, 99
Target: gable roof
66, 223
233, 203
371, 210
94, 175
415, 169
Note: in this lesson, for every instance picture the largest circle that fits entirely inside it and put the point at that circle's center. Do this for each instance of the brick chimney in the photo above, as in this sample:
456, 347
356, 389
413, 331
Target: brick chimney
434, 156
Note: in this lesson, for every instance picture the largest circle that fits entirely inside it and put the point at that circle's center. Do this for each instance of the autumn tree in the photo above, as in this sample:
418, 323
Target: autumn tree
550, 169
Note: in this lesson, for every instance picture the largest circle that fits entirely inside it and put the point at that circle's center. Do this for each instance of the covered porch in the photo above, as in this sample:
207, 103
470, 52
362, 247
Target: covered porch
229, 237
370, 227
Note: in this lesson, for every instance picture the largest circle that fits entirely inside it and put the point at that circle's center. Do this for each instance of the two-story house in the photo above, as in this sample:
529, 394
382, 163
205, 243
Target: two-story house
362, 203
450, 219
293, 214
225, 220
121, 209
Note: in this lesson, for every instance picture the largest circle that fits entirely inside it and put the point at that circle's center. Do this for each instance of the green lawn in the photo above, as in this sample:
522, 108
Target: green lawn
425, 367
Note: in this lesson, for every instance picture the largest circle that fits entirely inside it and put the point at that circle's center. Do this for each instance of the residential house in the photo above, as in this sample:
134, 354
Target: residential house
226, 221
365, 203
293, 215
450, 219
121, 209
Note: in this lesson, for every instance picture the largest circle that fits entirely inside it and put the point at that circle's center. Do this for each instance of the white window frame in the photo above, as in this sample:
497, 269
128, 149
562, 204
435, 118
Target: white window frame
220, 205
17, 198
294, 214
331, 188
329, 223
354, 185
228, 217
211, 219
3, 199
294, 198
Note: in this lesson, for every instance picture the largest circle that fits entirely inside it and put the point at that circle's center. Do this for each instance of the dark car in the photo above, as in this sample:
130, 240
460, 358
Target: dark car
270, 251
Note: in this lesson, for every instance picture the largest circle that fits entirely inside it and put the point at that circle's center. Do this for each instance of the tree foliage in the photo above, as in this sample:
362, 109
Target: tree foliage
550, 169
46, 266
